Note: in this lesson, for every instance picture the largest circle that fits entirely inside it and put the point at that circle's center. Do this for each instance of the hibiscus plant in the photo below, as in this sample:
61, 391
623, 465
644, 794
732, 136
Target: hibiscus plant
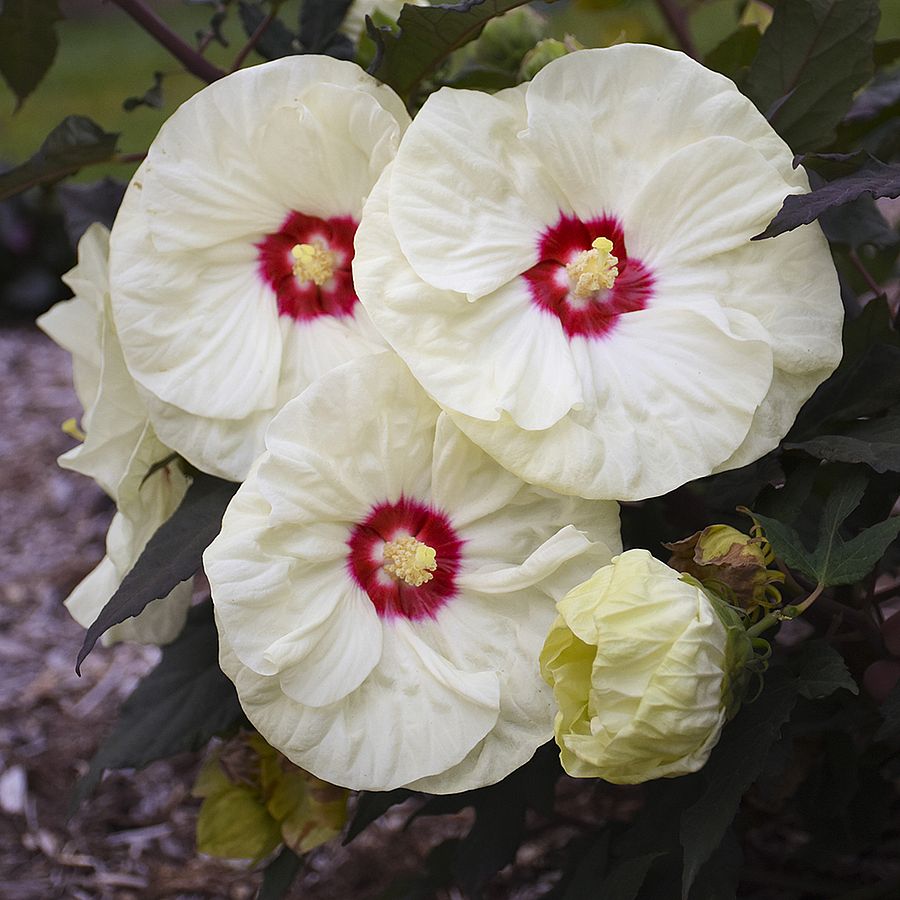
508, 422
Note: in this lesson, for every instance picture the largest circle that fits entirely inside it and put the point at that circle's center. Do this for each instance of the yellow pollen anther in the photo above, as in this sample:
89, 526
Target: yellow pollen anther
409, 560
593, 270
313, 263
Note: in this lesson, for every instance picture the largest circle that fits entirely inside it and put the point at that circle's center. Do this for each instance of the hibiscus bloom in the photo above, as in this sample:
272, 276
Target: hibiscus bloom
120, 450
230, 257
566, 267
383, 589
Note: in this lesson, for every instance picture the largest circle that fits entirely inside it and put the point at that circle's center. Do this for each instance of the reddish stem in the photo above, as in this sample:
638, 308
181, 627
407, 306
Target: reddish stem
676, 19
254, 39
182, 51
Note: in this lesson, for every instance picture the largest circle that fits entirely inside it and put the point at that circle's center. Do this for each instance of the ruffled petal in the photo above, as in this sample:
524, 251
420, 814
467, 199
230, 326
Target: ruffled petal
624, 110
468, 200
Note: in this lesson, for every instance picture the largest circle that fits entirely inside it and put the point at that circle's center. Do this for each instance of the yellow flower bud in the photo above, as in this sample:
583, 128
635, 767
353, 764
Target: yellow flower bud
645, 667
732, 564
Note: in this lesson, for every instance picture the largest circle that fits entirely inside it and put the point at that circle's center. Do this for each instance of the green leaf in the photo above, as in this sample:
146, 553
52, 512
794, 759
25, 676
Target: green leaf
834, 561
735, 54
171, 556
372, 805
626, 878
28, 43
735, 764
874, 179
280, 875
814, 56
821, 671
865, 385
875, 442
74, 143
179, 706
427, 36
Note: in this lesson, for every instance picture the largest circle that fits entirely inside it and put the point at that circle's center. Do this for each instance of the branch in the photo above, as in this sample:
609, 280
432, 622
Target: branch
677, 20
182, 51
254, 38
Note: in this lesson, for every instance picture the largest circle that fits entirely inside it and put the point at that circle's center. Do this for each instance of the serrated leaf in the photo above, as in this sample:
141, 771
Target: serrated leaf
814, 56
733, 766
280, 875
427, 36
875, 442
372, 805
75, 143
873, 179
171, 556
178, 706
28, 43
821, 671
834, 561
277, 41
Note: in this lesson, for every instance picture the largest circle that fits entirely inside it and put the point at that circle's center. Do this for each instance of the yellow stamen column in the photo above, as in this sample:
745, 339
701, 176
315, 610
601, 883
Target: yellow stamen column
593, 270
409, 560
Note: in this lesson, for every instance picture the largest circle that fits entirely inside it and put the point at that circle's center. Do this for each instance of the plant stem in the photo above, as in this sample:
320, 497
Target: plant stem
254, 38
677, 20
182, 51
871, 283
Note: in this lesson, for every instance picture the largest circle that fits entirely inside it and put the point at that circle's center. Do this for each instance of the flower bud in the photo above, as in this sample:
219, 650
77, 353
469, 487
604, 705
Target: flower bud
730, 563
646, 667
544, 52
254, 799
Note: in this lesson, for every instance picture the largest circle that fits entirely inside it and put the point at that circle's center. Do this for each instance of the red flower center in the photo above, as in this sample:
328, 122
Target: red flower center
389, 526
283, 266
551, 285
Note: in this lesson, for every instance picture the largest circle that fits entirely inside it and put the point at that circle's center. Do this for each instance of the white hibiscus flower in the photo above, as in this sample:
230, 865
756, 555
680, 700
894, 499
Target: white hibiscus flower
566, 267
230, 257
119, 450
383, 589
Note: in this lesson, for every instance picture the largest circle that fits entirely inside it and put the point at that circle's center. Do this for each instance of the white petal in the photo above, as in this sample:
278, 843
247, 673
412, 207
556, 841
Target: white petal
708, 198
603, 120
672, 394
468, 201
524, 363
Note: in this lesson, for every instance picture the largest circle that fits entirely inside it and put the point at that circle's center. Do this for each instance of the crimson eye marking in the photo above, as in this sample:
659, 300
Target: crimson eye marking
583, 281
307, 265
405, 556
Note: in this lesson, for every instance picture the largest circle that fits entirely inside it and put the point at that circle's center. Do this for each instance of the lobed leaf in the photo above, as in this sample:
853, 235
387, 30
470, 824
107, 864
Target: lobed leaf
875, 442
171, 556
814, 56
427, 36
74, 143
821, 671
178, 706
834, 561
28, 43
734, 765
874, 179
